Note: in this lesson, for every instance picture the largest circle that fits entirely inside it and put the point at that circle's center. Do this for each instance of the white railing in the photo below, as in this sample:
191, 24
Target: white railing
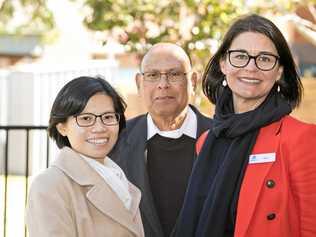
27, 95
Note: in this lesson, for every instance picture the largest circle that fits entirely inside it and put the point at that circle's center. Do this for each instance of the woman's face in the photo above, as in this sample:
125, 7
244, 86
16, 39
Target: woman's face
94, 141
249, 84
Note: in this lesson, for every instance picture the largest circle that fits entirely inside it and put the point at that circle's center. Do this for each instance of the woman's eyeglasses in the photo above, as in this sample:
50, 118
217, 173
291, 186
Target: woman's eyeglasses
263, 61
89, 119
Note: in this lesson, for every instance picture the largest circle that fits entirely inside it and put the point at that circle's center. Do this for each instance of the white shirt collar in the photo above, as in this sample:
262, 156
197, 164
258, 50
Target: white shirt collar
188, 127
114, 176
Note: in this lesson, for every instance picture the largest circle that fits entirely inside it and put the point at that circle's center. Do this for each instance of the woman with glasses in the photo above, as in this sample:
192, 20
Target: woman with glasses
84, 193
255, 175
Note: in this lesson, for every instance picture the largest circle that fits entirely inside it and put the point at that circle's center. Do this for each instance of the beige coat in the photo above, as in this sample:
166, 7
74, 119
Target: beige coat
71, 199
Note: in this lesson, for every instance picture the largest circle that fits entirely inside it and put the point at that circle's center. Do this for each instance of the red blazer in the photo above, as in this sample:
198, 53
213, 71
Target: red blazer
278, 198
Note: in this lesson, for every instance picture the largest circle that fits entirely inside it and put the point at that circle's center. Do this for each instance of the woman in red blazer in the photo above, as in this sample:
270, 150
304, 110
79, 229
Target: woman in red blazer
256, 171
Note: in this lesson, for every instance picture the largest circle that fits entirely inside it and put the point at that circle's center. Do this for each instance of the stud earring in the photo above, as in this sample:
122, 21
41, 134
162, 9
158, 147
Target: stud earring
278, 89
224, 83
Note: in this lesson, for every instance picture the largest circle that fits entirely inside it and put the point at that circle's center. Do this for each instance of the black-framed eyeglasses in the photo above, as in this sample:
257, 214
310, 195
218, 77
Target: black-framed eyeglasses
89, 119
263, 61
172, 76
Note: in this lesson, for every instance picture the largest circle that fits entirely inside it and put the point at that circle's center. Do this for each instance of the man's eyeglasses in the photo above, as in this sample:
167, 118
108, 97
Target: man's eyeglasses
89, 119
172, 76
263, 61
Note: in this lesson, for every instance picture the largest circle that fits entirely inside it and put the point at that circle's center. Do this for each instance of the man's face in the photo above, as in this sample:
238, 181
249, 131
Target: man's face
165, 98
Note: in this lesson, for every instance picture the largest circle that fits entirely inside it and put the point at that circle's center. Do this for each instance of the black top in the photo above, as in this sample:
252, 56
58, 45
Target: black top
169, 164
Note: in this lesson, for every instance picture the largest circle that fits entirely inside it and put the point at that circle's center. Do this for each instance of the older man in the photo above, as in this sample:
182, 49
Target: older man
156, 150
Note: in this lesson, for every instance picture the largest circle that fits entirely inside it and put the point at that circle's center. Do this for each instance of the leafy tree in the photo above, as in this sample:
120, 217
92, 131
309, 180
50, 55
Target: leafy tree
25, 17
196, 25
137, 24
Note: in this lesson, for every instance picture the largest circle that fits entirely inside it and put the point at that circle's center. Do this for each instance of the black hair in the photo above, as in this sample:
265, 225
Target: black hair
73, 98
290, 83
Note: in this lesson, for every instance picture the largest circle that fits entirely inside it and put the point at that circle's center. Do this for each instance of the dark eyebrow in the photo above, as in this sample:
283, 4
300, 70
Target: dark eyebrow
87, 113
245, 51
268, 53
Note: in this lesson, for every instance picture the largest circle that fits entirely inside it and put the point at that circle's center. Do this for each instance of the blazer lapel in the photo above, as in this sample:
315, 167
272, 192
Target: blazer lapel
104, 199
137, 172
267, 142
203, 123
100, 194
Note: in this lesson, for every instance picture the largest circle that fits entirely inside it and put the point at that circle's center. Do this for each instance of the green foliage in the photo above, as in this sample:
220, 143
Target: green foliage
25, 17
196, 25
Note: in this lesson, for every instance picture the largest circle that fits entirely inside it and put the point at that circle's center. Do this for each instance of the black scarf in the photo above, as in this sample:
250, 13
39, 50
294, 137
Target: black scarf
213, 190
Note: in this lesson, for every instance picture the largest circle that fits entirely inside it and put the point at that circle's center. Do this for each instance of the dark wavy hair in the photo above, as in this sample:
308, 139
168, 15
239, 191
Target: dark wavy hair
73, 98
290, 83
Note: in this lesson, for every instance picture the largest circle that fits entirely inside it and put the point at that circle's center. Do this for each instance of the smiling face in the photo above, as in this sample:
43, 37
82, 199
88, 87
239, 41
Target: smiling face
97, 140
250, 85
164, 99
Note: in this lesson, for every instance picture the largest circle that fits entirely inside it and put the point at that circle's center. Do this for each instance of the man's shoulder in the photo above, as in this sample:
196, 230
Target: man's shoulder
203, 122
132, 133
131, 123
201, 118
133, 126
198, 113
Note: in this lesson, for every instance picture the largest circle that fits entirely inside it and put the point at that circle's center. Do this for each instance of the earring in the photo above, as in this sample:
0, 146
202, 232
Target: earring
224, 83
278, 89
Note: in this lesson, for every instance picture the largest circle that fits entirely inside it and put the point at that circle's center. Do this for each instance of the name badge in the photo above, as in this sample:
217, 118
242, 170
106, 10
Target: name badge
261, 158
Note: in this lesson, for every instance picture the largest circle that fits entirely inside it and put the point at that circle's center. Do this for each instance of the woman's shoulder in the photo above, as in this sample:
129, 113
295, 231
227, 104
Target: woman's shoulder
298, 131
48, 181
289, 122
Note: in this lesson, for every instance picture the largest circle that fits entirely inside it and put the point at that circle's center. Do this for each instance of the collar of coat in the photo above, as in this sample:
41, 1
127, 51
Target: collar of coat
99, 192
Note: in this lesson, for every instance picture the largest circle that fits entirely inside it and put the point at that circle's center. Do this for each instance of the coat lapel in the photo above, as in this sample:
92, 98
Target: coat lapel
100, 194
137, 172
203, 123
267, 142
104, 199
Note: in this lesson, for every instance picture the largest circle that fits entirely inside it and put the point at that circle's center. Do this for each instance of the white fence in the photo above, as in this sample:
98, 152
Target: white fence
26, 97
27, 94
